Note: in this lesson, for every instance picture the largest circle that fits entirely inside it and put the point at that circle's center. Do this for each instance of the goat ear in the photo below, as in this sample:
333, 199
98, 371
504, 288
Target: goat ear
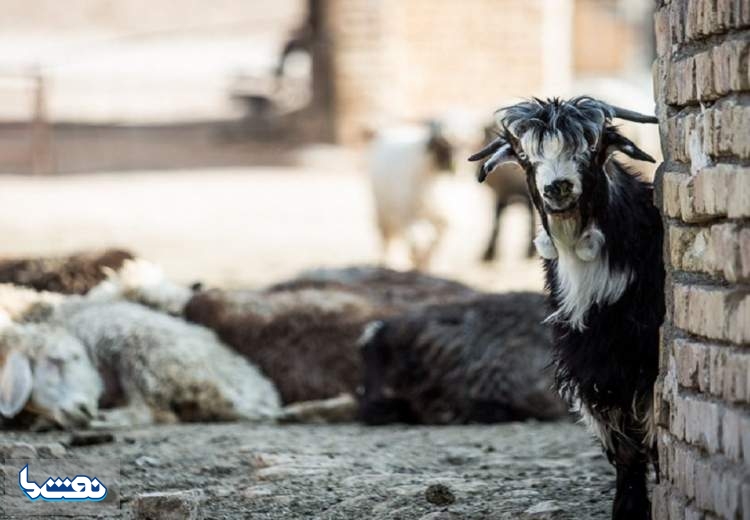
15, 383
502, 155
619, 143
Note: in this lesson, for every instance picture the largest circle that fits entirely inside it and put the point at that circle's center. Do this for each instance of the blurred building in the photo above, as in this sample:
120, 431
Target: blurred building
117, 84
394, 61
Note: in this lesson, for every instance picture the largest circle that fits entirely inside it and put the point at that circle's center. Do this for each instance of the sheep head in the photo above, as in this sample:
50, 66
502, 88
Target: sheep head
47, 372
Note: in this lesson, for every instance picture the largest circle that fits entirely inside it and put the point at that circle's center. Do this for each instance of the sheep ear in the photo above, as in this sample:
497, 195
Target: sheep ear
618, 143
15, 383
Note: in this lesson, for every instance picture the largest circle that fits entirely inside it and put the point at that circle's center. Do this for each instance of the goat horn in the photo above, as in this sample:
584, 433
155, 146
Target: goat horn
491, 148
631, 115
502, 155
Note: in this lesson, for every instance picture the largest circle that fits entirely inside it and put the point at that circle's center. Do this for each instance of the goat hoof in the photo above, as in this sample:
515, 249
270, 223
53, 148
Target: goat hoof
625, 509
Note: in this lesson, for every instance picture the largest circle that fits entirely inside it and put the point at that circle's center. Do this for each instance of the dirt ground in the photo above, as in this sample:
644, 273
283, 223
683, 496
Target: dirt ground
349, 472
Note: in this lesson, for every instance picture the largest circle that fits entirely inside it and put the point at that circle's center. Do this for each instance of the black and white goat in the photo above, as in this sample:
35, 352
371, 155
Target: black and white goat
602, 248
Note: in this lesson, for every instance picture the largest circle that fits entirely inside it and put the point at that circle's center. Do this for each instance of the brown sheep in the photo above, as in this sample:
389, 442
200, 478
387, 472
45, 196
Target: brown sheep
74, 274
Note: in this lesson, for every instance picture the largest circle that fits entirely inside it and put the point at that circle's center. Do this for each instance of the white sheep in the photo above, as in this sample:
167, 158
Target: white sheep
404, 162
47, 372
157, 367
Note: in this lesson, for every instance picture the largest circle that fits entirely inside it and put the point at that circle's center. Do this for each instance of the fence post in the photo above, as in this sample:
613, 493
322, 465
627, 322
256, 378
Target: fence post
42, 160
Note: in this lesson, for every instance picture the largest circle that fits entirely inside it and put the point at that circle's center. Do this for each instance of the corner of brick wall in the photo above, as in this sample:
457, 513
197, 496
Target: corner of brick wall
702, 85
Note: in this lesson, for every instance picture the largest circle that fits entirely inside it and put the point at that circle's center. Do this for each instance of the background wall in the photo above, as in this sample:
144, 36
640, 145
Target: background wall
394, 60
703, 395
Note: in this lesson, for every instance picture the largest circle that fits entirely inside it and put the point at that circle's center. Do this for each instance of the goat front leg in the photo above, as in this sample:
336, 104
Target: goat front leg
424, 236
631, 496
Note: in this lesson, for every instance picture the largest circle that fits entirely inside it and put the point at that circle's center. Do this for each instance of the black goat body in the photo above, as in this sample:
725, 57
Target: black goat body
602, 244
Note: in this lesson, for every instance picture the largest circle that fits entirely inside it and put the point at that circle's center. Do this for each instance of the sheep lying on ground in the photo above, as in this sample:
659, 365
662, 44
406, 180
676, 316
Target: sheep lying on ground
483, 360
73, 274
156, 367
45, 376
303, 333
396, 290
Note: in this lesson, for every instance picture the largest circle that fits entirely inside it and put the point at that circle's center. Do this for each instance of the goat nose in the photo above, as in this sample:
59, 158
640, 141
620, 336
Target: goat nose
558, 189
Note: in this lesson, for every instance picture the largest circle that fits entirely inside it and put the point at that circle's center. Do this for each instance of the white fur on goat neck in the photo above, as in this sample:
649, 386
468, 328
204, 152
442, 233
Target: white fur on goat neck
584, 276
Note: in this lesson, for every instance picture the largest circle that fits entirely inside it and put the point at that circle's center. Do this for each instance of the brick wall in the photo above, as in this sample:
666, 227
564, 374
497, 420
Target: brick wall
703, 394
394, 60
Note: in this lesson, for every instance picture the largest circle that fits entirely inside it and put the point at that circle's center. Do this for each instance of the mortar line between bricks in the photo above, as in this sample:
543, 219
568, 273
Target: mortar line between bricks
705, 339
681, 334
715, 221
694, 46
704, 281
719, 221
723, 404
696, 106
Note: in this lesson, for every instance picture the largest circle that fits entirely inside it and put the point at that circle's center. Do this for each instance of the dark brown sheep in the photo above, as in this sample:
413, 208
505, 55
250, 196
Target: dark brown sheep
74, 274
303, 333
483, 360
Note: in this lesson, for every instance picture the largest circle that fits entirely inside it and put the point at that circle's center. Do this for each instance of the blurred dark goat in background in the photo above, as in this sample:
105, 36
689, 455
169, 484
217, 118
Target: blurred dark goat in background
483, 360
508, 184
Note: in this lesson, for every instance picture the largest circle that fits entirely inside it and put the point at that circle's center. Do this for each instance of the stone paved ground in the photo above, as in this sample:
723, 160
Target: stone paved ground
348, 472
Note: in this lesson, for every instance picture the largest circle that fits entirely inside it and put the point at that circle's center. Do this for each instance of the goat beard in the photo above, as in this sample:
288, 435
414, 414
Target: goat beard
565, 226
569, 213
